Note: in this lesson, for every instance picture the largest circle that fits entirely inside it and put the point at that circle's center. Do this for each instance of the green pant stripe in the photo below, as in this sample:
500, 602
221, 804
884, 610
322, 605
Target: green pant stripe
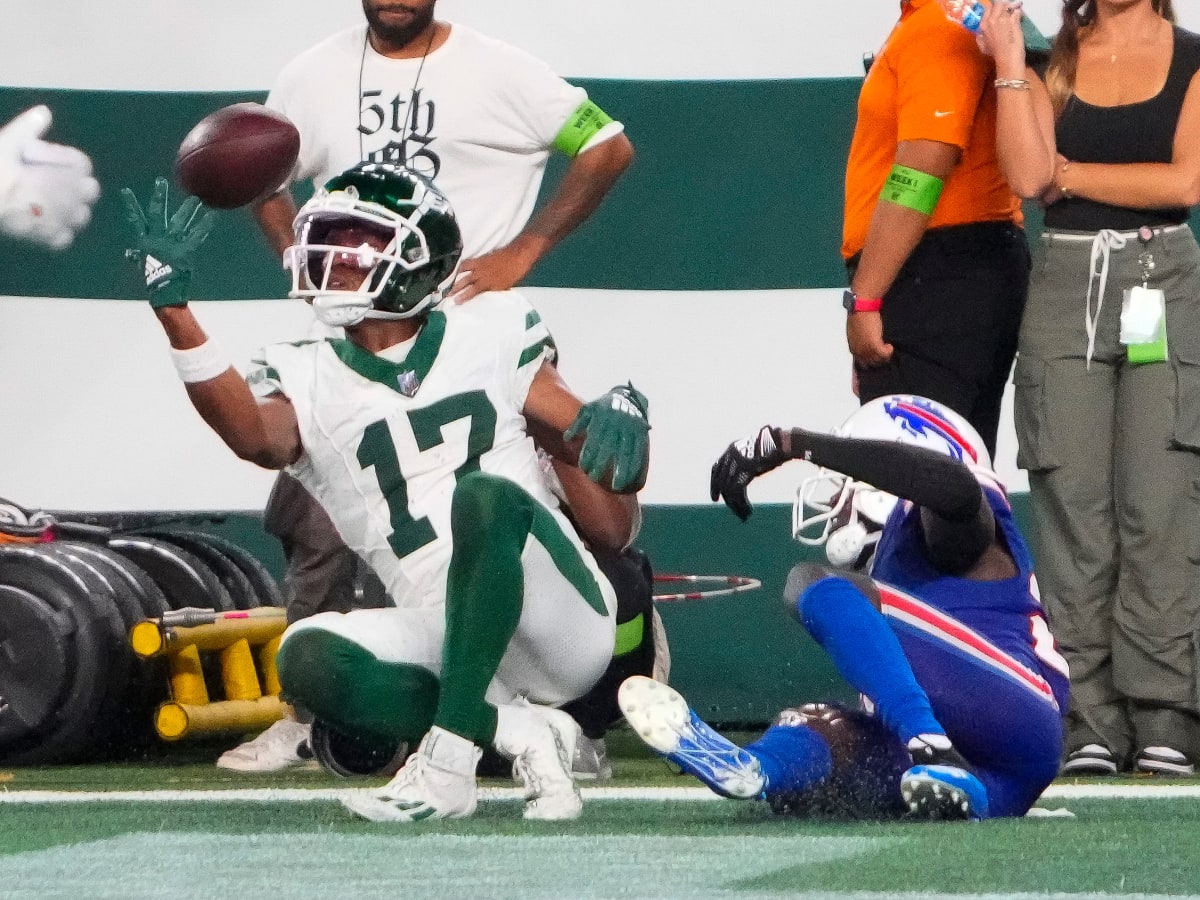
492, 520
567, 559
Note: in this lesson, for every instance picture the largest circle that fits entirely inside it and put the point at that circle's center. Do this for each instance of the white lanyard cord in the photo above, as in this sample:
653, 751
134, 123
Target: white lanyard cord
1104, 242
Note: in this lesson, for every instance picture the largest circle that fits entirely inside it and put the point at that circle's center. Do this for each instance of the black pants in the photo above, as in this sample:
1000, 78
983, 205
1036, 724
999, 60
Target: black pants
633, 580
323, 574
953, 315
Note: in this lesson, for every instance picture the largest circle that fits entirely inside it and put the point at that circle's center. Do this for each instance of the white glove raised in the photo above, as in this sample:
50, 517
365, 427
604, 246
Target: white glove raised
46, 190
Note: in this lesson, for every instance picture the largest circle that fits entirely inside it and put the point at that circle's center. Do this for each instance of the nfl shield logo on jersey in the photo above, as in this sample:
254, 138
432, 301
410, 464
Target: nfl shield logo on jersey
408, 382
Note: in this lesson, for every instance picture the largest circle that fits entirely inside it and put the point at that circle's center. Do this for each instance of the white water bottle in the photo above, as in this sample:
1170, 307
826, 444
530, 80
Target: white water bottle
967, 13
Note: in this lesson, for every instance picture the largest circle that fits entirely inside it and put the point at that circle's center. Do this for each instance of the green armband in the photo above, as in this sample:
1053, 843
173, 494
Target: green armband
916, 190
630, 635
581, 127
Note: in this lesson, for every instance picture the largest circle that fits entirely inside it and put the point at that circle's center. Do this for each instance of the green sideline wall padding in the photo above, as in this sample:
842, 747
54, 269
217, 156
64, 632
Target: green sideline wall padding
132, 137
741, 658
736, 185
738, 659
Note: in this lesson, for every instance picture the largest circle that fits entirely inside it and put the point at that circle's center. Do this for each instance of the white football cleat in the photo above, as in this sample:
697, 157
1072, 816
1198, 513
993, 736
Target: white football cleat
437, 782
663, 719
541, 743
591, 760
280, 747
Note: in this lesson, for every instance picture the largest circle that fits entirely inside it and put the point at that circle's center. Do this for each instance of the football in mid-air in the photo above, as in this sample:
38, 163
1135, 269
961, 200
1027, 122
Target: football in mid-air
236, 155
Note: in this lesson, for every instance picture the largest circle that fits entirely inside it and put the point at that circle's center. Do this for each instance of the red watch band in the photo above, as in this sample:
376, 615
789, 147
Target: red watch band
868, 304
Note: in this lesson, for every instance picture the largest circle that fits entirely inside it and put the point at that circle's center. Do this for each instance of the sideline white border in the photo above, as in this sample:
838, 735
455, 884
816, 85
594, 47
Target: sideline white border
646, 794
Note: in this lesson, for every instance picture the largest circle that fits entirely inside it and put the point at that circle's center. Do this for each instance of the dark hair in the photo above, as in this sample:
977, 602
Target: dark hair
1077, 14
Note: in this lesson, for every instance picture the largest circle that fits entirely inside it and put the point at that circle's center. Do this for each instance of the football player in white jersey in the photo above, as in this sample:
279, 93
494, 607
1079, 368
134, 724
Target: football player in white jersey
412, 434
481, 118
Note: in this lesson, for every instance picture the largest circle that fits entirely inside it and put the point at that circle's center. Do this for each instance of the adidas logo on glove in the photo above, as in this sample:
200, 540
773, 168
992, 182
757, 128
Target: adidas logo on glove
622, 403
156, 271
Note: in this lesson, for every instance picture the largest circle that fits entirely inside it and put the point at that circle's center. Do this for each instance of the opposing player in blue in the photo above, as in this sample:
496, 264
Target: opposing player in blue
945, 640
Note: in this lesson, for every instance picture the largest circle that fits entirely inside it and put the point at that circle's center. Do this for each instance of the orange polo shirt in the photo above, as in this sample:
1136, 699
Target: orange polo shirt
929, 82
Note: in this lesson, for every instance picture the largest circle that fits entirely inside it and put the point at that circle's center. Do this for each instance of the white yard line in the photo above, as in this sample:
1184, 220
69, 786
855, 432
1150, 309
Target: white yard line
649, 794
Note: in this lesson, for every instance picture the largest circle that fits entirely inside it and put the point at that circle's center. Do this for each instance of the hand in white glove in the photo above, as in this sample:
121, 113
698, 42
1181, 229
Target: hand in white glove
46, 190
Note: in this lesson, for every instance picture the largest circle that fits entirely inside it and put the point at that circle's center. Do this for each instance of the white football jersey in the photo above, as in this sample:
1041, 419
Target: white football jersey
477, 115
384, 443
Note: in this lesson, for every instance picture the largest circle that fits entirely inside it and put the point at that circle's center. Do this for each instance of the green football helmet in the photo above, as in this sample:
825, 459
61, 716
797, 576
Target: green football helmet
387, 221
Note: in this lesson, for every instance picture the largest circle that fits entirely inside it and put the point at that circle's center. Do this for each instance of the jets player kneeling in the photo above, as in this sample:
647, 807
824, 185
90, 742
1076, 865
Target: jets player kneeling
946, 638
412, 435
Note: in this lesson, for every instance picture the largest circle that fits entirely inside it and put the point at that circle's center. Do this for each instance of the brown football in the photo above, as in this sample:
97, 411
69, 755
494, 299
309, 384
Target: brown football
236, 155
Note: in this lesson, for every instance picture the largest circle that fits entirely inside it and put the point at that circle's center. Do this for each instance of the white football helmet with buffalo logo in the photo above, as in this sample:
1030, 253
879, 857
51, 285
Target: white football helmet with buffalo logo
846, 515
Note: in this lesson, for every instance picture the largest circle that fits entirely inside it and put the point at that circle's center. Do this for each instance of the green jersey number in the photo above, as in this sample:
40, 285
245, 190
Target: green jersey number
377, 451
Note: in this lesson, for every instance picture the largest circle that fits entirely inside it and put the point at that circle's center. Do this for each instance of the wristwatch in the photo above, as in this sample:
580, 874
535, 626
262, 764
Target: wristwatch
853, 303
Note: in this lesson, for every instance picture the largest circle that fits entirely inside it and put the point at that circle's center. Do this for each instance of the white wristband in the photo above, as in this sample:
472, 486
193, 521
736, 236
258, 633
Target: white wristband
201, 363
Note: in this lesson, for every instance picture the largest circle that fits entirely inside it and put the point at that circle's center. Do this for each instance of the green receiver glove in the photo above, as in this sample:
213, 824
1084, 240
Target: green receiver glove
164, 247
616, 437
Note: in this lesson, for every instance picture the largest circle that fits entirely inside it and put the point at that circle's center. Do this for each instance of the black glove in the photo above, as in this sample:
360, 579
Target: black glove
741, 463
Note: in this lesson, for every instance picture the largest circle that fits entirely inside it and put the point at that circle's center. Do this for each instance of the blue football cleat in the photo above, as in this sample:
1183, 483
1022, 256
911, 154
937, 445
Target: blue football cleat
662, 718
944, 793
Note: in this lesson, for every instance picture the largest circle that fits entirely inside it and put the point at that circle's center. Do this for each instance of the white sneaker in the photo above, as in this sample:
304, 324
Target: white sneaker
1164, 761
437, 782
1091, 759
591, 760
279, 747
541, 743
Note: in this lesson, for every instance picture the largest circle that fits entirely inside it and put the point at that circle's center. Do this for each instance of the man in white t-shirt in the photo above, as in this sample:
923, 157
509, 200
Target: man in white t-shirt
480, 118
476, 115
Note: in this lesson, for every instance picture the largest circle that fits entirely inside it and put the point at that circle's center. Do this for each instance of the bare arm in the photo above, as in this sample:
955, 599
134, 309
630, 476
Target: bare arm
263, 433
605, 519
1145, 185
1025, 145
894, 232
550, 408
275, 215
607, 438
586, 182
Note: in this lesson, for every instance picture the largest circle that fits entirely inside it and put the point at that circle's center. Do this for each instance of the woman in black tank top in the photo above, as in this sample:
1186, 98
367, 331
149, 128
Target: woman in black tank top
1107, 137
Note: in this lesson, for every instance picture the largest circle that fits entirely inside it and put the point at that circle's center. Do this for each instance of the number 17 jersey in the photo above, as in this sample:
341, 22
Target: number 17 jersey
384, 443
